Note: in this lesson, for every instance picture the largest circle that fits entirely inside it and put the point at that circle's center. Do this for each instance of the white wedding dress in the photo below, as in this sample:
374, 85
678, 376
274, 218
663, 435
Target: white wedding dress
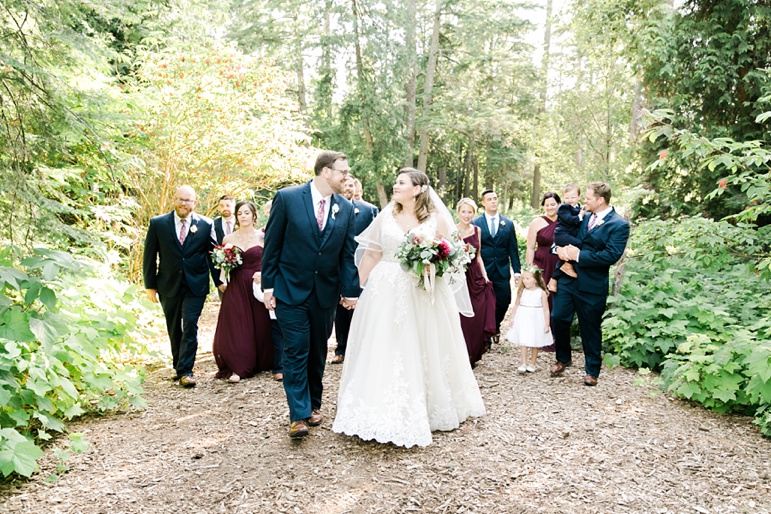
406, 370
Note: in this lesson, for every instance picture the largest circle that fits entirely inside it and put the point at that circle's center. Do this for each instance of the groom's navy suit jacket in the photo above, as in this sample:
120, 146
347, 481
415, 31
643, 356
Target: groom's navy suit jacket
299, 259
176, 262
601, 247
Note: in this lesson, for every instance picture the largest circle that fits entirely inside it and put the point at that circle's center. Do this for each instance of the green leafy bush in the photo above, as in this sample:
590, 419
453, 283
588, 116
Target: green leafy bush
692, 305
71, 342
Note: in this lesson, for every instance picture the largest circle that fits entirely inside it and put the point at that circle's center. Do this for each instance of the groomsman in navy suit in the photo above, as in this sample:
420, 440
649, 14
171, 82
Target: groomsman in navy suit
307, 264
224, 224
604, 235
363, 213
176, 265
499, 253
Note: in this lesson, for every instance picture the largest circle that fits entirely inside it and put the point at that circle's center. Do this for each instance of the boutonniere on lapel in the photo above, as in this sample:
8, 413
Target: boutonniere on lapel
599, 222
335, 208
355, 210
503, 223
193, 228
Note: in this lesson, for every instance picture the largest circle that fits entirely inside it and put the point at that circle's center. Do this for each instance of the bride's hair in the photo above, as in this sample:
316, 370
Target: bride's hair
423, 204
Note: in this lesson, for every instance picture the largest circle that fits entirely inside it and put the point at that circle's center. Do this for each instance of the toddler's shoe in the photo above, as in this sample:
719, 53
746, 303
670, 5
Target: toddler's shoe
522, 369
530, 368
568, 270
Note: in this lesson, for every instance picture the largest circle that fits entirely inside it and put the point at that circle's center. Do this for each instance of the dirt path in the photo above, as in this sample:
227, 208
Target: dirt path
546, 445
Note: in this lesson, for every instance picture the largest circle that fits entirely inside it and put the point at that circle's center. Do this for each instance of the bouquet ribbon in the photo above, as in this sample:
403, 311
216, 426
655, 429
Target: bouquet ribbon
429, 279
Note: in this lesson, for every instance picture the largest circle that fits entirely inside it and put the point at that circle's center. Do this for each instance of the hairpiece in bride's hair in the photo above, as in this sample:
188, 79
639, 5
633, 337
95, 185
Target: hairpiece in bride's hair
423, 188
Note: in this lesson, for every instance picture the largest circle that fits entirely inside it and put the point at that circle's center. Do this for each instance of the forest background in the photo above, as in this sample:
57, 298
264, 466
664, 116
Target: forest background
106, 107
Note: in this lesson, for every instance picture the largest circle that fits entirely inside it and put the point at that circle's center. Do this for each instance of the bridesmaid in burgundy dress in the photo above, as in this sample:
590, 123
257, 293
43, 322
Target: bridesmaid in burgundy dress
540, 237
482, 326
243, 345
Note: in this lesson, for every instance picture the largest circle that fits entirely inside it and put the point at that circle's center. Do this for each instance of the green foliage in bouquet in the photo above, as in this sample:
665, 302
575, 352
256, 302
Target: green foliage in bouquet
693, 304
71, 342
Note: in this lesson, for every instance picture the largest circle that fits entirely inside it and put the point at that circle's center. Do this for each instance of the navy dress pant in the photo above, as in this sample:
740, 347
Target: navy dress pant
306, 328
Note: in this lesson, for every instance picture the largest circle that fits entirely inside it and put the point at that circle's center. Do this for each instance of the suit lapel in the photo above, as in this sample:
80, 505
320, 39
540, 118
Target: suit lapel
595, 230
171, 223
192, 222
308, 203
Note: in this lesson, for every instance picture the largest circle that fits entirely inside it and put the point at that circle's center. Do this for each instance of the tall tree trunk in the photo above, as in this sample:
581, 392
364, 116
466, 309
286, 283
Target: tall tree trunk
326, 72
409, 89
441, 182
433, 54
634, 125
363, 87
535, 199
299, 70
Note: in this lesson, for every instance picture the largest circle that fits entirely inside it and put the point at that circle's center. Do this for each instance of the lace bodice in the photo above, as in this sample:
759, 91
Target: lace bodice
392, 236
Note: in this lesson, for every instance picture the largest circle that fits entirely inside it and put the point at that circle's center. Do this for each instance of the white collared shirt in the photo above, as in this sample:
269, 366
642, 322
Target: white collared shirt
225, 222
178, 223
316, 196
600, 215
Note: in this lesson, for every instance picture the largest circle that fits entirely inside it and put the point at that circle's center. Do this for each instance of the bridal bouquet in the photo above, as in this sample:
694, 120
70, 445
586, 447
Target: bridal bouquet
433, 256
226, 258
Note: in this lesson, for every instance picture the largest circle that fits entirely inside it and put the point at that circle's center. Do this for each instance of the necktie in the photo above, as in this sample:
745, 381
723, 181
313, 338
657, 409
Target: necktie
592, 221
320, 215
493, 227
182, 231
227, 230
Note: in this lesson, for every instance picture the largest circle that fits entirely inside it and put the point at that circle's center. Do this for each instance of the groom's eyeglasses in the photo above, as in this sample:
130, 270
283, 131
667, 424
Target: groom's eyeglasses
181, 201
343, 172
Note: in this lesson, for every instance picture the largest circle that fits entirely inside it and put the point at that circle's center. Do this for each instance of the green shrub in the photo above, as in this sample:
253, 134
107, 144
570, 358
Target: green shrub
691, 304
70, 343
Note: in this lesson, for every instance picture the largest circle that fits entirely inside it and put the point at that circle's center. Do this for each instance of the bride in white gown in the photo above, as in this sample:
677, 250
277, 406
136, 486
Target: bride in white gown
406, 370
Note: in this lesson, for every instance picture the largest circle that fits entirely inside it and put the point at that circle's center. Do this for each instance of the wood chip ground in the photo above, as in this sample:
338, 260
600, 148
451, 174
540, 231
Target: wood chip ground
547, 445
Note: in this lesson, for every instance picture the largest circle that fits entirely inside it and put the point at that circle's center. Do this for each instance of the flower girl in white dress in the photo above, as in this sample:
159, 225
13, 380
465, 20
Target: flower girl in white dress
530, 318
406, 371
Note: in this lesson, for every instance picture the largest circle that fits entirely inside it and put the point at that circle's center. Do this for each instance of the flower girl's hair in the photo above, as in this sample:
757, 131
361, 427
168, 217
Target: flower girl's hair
536, 271
423, 205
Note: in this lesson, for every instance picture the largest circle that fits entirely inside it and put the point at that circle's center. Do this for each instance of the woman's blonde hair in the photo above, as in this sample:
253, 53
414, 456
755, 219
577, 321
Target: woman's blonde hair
466, 201
423, 205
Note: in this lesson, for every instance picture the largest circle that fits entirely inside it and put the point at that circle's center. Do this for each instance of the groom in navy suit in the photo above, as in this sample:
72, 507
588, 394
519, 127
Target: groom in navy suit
604, 235
307, 264
176, 265
499, 253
